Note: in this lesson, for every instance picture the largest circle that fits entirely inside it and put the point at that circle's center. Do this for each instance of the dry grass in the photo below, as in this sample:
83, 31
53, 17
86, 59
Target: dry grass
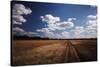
52, 51
38, 52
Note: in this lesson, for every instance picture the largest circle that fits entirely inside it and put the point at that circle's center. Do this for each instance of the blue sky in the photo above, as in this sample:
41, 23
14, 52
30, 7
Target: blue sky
54, 20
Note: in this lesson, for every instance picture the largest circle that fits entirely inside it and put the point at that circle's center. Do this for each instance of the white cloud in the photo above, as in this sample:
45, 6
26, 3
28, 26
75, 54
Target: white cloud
91, 26
54, 23
65, 34
31, 34
19, 18
60, 26
52, 34
16, 23
77, 32
43, 30
92, 21
47, 32
79, 29
18, 31
71, 19
92, 17
88, 30
17, 11
52, 26
50, 19
65, 25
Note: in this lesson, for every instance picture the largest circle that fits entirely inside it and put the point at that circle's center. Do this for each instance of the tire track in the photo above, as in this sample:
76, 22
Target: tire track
71, 54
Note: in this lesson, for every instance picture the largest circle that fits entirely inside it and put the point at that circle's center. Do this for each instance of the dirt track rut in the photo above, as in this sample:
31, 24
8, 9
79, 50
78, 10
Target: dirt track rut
71, 54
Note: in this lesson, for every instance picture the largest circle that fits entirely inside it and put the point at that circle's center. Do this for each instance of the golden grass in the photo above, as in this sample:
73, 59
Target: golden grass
31, 52
52, 51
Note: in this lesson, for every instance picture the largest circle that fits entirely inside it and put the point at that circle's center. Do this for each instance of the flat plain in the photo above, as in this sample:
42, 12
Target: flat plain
33, 52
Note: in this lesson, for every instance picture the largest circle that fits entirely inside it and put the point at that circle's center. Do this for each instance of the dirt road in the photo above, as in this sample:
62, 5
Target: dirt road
71, 54
81, 51
26, 52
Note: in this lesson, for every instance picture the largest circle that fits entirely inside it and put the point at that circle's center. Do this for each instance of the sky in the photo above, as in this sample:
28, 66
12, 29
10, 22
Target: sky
54, 20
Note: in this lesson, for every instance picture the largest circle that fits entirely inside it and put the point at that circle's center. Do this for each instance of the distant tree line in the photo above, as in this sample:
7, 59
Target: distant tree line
46, 38
28, 38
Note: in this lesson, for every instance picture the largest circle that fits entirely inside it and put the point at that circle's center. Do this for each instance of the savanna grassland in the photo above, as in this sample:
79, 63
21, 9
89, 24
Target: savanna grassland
26, 52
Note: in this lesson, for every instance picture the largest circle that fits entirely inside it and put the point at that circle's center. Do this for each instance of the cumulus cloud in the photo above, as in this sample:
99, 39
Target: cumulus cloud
88, 30
17, 19
50, 18
21, 32
92, 21
65, 25
20, 9
92, 17
43, 30
52, 34
55, 23
91, 26
65, 34
16, 23
79, 29
71, 19
46, 32
17, 11
31, 34
18, 31
77, 32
